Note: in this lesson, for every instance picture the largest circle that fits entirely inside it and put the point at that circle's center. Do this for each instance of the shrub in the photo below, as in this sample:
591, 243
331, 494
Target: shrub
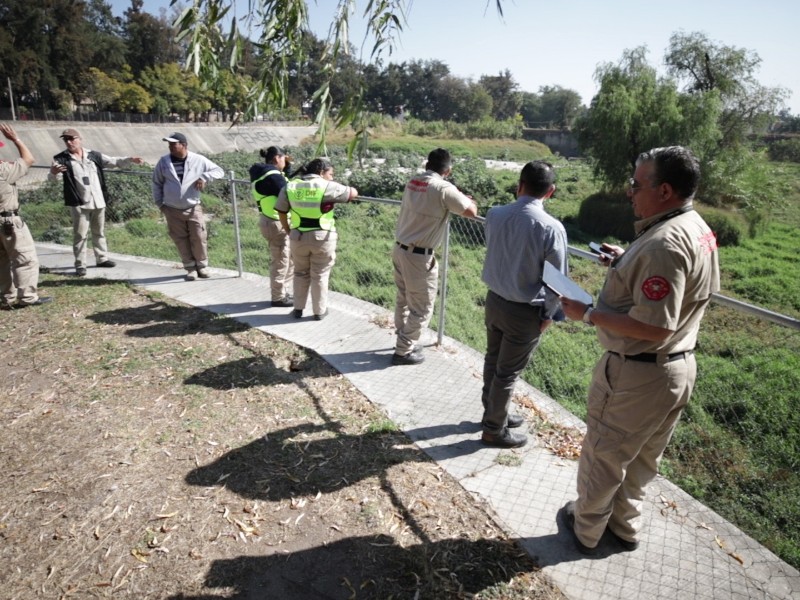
785, 150
725, 225
473, 178
606, 214
129, 197
385, 182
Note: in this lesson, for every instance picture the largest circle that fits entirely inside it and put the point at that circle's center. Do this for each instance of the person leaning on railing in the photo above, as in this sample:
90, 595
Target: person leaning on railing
428, 200
19, 264
312, 231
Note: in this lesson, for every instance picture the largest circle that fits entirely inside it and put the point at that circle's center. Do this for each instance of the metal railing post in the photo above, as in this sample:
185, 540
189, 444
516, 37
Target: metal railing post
443, 288
236, 223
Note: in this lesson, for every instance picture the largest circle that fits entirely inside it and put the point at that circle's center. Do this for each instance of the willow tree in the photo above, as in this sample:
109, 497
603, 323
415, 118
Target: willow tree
211, 31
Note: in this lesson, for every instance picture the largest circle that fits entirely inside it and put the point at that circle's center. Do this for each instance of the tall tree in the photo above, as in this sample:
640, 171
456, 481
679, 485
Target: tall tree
559, 106
105, 36
506, 97
703, 66
150, 40
634, 110
44, 50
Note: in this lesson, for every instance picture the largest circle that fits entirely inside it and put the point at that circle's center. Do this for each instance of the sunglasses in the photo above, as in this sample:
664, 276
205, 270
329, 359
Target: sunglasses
635, 186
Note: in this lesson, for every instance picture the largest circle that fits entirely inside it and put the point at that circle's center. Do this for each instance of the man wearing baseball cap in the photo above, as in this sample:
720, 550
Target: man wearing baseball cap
19, 265
178, 179
86, 194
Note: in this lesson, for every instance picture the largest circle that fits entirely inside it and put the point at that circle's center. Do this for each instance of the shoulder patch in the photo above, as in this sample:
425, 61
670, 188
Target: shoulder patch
708, 242
656, 288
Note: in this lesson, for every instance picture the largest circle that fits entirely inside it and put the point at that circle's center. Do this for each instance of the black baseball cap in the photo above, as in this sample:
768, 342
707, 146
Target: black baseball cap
175, 137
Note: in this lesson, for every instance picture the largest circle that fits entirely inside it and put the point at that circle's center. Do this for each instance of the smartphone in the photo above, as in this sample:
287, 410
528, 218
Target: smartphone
597, 249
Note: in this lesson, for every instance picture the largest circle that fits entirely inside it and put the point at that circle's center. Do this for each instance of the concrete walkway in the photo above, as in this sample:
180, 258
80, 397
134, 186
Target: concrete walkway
686, 551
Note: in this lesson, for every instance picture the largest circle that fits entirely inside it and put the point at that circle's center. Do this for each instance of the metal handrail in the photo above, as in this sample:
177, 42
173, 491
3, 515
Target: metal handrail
751, 309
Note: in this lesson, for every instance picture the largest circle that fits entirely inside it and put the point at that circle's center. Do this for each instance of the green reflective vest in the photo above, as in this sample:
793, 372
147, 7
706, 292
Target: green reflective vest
266, 204
305, 198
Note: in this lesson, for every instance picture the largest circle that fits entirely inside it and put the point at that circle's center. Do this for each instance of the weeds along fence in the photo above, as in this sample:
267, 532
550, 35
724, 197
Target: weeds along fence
737, 448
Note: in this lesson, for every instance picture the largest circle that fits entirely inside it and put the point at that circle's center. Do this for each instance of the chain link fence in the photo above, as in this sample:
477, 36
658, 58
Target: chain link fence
737, 448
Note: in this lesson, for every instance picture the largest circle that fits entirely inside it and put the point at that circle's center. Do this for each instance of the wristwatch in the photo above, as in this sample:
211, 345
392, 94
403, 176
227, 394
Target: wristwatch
587, 315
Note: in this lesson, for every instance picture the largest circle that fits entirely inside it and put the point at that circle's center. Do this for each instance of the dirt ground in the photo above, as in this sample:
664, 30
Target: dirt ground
152, 450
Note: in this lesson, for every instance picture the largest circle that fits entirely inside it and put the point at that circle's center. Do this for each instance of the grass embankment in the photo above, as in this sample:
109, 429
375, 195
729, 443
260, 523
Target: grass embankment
737, 448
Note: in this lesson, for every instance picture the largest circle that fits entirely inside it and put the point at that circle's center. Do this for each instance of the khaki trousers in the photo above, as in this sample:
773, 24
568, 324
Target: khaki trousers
633, 410
281, 267
19, 265
187, 228
314, 254
416, 277
83, 220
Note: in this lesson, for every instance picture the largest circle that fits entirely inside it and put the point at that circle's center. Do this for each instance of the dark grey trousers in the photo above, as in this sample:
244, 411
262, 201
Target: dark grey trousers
512, 334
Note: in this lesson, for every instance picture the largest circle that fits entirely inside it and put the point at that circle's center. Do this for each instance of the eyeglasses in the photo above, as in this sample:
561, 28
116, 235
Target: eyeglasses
634, 186
69, 139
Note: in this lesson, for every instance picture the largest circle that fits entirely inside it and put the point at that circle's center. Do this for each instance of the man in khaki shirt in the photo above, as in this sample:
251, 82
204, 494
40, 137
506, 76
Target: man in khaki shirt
428, 200
647, 319
19, 265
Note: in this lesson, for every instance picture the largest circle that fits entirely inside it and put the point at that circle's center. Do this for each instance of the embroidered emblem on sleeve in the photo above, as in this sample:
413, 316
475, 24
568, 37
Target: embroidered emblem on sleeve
708, 242
656, 288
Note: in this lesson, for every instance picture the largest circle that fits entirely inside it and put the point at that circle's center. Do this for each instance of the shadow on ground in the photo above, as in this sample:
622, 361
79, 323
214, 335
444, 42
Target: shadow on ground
369, 567
159, 319
304, 460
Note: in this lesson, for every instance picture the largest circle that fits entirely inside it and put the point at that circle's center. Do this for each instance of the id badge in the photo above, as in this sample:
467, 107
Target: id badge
85, 180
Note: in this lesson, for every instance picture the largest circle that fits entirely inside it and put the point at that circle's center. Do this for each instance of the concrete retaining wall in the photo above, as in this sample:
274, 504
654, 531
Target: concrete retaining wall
115, 139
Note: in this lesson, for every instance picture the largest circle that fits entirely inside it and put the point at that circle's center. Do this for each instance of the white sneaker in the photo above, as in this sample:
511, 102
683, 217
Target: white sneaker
190, 275
203, 273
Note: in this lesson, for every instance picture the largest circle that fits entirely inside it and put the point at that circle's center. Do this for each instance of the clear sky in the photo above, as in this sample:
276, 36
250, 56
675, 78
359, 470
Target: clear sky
561, 43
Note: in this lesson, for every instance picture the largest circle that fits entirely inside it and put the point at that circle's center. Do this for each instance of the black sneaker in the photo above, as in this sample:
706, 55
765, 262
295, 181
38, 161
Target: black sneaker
41, 300
506, 439
627, 545
568, 512
107, 264
284, 302
412, 358
80, 271
515, 421
297, 313
322, 316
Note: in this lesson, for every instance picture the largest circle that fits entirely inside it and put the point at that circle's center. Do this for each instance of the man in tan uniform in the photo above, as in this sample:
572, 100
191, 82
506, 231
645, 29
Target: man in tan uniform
647, 319
19, 265
428, 200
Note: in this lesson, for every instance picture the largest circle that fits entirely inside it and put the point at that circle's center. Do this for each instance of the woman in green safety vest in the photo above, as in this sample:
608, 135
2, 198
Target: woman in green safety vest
267, 180
305, 209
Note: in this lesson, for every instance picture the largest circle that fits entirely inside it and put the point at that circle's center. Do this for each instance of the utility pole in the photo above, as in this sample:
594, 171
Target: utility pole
11, 98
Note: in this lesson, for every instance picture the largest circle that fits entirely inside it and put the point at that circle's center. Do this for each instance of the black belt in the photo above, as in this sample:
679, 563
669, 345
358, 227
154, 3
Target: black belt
9, 213
649, 357
415, 249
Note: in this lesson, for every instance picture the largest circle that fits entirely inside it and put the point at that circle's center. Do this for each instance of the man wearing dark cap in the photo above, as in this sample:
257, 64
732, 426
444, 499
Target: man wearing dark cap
268, 180
178, 179
86, 194
19, 265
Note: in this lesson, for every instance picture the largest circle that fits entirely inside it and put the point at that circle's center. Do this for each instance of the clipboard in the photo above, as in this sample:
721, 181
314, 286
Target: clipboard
562, 285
